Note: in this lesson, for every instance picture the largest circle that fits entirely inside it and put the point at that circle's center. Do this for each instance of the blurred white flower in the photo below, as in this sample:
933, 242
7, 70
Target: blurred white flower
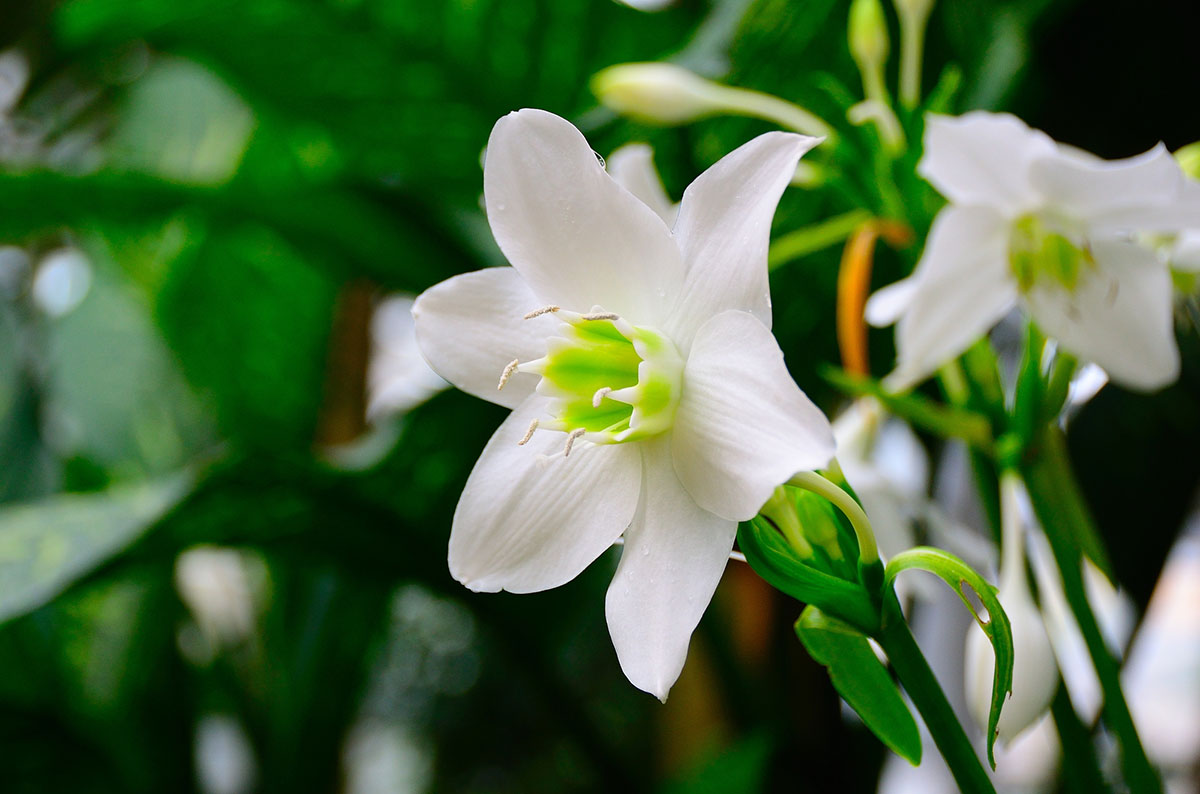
650, 398
61, 281
1049, 227
1162, 675
398, 379
1035, 674
215, 586
648, 5
887, 467
225, 762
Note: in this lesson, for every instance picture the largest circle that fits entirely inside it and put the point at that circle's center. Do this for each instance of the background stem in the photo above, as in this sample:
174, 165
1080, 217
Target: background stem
1058, 502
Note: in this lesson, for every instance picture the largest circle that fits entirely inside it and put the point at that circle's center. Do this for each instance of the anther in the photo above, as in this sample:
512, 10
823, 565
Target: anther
541, 311
528, 433
600, 316
507, 373
599, 395
571, 440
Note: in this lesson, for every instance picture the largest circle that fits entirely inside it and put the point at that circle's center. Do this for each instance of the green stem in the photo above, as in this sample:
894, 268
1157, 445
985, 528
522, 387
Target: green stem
810, 239
922, 686
1059, 504
1081, 768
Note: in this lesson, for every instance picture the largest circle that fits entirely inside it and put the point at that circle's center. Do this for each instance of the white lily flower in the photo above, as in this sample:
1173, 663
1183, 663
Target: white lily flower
1051, 228
649, 397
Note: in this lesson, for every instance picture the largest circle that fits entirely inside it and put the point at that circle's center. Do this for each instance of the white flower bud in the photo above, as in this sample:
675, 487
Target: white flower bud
1035, 673
656, 93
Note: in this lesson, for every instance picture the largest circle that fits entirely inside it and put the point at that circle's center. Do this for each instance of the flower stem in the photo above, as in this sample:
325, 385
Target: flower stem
1059, 504
922, 686
811, 239
912, 49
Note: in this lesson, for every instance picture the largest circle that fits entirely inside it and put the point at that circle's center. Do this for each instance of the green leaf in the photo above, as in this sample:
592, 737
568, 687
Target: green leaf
771, 558
47, 545
861, 679
994, 622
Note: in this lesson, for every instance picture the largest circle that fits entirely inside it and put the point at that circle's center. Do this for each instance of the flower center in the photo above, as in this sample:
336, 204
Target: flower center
608, 381
1048, 251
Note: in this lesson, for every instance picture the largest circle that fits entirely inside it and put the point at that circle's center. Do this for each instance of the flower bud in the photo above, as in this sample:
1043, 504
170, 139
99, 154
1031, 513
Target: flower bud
868, 33
656, 93
1035, 672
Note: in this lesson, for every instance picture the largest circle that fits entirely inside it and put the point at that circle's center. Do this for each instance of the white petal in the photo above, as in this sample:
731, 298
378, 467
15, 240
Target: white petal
1145, 192
887, 305
674, 555
633, 167
470, 327
743, 426
1118, 316
724, 229
983, 158
1185, 256
528, 522
579, 239
964, 287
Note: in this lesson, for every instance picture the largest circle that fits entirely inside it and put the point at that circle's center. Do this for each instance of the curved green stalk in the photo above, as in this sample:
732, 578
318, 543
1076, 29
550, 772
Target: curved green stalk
868, 551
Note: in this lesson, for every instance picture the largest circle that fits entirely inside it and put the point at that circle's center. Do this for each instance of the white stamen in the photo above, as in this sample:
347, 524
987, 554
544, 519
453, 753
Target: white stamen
600, 316
528, 433
599, 395
571, 440
507, 373
539, 312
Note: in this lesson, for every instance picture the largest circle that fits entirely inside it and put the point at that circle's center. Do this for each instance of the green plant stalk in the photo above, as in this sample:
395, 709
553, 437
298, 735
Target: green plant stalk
912, 48
1081, 768
811, 239
1058, 503
922, 686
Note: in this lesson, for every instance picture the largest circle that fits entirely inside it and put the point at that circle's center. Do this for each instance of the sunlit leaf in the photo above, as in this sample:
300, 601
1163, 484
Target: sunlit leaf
46, 545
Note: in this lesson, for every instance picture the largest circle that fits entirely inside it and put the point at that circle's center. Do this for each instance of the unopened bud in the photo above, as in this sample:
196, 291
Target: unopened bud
1035, 672
868, 33
656, 93
666, 94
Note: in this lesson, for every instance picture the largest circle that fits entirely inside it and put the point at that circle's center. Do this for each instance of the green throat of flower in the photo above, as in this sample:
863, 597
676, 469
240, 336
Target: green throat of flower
1042, 255
608, 381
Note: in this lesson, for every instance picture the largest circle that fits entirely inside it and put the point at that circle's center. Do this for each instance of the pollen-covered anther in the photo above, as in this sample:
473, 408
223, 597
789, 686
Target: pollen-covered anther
544, 310
599, 395
509, 369
528, 433
594, 316
574, 434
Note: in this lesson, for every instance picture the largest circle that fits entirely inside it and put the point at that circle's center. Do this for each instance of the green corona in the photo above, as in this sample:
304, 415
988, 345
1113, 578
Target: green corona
607, 381
1038, 252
